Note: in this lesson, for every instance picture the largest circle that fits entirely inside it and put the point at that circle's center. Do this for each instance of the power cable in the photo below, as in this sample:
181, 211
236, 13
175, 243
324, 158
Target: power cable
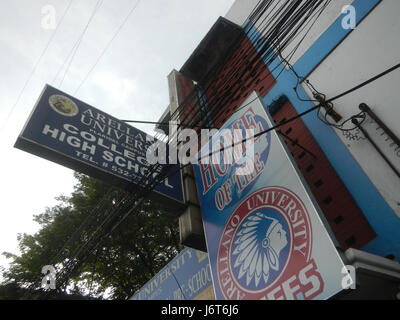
283, 123
107, 46
254, 59
149, 185
300, 115
375, 78
222, 85
314, 108
80, 38
208, 97
36, 66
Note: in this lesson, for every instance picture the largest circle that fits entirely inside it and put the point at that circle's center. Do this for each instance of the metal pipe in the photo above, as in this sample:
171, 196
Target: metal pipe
365, 108
355, 121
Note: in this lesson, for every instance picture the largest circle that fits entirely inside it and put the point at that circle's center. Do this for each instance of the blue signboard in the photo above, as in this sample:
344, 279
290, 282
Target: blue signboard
264, 234
70, 132
186, 277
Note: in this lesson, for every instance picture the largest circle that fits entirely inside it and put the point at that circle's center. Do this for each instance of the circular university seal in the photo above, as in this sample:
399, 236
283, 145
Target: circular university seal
63, 105
266, 241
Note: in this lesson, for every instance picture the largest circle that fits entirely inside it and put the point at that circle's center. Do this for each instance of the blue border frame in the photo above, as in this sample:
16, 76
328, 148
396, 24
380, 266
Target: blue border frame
378, 213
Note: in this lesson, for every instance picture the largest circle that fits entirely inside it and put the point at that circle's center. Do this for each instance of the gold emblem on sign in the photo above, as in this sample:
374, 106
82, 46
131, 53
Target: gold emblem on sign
63, 105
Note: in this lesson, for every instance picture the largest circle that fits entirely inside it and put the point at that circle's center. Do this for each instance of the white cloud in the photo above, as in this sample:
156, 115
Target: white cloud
118, 88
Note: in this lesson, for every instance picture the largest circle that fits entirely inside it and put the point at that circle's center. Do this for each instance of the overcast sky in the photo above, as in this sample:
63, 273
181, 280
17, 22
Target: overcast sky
129, 82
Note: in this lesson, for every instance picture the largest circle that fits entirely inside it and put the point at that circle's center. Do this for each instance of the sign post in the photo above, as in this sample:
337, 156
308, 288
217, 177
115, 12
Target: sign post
264, 233
74, 134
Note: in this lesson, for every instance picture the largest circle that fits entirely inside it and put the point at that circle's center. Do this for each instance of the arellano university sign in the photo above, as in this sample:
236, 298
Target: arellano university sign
264, 234
70, 132
186, 277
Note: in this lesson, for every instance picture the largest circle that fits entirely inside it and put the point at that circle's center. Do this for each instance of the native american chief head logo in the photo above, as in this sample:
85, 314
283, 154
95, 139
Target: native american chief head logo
258, 250
265, 243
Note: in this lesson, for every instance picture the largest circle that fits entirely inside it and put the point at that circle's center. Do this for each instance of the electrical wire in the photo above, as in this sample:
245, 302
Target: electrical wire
319, 105
375, 78
107, 46
287, 121
274, 35
35, 67
267, 53
292, 119
80, 38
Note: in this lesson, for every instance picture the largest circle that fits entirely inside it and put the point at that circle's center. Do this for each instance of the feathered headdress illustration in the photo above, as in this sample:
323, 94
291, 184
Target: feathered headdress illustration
257, 247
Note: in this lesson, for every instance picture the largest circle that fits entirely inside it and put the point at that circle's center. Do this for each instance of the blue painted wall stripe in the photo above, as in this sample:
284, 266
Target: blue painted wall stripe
331, 38
378, 213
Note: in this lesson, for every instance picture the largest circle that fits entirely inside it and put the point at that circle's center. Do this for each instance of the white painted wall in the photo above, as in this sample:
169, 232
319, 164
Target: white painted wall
314, 29
240, 11
370, 49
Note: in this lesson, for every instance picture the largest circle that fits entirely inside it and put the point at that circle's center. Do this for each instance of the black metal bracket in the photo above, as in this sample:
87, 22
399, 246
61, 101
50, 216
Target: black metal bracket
328, 106
365, 108
368, 137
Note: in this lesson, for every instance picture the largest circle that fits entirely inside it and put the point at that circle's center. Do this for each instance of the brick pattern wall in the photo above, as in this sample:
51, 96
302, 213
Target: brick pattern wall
236, 76
344, 216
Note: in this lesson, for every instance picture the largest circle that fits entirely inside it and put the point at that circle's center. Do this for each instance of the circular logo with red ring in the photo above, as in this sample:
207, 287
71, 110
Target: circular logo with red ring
266, 241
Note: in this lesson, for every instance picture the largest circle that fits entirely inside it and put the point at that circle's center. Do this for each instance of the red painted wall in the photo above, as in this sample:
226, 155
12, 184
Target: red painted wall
344, 216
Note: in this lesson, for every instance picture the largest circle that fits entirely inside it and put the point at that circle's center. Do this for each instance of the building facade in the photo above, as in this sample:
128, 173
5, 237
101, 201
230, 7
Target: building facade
306, 61
338, 46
